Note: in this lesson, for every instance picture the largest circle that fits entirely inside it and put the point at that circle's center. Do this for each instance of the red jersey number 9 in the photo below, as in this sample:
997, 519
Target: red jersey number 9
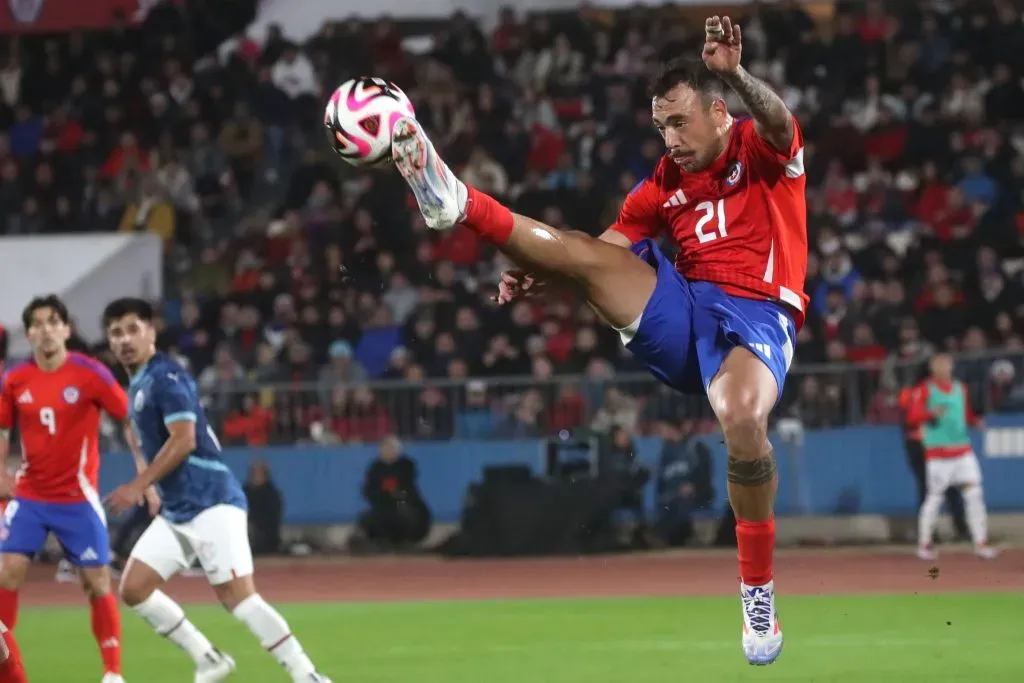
48, 419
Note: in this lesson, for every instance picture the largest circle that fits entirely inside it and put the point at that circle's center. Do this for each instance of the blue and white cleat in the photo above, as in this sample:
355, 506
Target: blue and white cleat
440, 195
762, 635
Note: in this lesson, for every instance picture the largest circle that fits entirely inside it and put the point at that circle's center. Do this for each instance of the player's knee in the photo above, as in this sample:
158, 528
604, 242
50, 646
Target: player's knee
12, 575
133, 593
745, 428
234, 592
135, 589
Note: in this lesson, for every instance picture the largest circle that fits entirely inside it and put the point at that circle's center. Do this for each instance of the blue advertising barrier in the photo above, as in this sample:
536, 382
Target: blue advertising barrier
853, 470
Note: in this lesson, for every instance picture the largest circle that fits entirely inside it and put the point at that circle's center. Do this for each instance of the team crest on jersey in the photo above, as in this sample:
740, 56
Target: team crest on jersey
140, 401
735, 172
71, 395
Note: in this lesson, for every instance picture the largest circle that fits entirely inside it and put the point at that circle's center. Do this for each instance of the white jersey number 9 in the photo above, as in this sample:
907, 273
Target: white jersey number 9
48, 419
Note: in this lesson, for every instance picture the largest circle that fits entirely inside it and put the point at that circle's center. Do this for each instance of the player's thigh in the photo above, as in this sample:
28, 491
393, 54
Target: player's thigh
662, 335
161, 549
81, 530
220, 538
939, 474
966, 471
22, 535
615, 282
745, 349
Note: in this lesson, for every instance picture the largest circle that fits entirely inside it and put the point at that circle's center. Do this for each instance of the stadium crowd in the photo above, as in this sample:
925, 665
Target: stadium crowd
287, 269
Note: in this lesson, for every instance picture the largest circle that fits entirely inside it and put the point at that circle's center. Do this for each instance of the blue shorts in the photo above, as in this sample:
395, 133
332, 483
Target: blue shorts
688, 328
80, 528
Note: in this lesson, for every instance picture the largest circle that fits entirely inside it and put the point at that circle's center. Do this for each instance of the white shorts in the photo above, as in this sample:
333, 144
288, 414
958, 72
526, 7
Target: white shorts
962, 470
219, 537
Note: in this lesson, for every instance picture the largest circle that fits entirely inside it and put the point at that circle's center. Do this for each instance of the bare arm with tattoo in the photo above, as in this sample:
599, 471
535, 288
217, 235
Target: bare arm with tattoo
722, 49
772, 119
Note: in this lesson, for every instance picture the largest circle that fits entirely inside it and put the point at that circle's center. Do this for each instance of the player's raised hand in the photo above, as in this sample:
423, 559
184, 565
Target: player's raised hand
125, 497
723, 45
517, 283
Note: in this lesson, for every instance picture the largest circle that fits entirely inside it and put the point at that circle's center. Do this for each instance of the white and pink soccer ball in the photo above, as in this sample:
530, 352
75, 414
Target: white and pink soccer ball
359, 118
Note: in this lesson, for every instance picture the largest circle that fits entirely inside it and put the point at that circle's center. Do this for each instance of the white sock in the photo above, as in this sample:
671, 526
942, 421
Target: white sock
976, 514
927, 517
168, 619
267, 624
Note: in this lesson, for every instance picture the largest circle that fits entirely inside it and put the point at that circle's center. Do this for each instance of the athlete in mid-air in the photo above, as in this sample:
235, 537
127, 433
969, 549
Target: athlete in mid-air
204, 508
723, 320
57, 397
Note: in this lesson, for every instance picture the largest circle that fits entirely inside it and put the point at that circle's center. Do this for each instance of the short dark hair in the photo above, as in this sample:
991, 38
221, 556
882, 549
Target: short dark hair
128, 305
686, 71
50, 301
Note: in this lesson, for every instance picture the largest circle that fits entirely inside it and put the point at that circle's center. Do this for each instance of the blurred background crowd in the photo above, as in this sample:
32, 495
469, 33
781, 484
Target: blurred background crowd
313, 304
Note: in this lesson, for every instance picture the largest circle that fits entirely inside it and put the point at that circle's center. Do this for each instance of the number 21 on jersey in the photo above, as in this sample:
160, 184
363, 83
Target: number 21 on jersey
710, 221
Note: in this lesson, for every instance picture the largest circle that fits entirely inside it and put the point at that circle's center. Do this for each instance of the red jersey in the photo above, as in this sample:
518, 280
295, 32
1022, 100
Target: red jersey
907, 401
740, 223
59, 418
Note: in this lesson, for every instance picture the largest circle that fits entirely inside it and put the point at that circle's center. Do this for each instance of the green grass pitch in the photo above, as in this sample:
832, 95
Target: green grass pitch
856, 639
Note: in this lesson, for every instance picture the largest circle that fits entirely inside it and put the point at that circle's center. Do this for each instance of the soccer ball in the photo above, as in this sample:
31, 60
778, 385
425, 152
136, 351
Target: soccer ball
359, 118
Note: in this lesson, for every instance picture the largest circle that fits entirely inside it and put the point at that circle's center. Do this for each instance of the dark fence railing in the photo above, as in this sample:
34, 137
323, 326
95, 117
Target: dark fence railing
246, 413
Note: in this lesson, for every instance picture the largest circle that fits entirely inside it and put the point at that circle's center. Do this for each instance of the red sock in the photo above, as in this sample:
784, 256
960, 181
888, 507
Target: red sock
9, 608
756, 543
106, 626
488, 217
12, 670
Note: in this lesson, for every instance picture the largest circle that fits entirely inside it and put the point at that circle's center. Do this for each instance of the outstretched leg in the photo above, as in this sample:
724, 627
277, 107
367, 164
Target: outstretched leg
615, 282
742, 395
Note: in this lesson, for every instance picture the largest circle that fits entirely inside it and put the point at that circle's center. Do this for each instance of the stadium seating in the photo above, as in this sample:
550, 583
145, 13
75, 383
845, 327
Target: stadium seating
313, 304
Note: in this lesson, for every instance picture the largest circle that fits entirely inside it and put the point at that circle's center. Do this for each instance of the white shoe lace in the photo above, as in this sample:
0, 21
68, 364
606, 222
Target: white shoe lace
757, 604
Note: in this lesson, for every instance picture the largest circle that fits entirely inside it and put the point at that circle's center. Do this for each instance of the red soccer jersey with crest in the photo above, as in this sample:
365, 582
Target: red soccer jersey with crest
58, 416
740, 223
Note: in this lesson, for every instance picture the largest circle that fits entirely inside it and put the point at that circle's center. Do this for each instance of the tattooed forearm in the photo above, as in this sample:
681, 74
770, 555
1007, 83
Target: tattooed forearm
774, 120
751, 472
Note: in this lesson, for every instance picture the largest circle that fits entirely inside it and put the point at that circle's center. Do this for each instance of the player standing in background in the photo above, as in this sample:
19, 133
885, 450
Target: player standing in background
204, 507
915, 459
57, 397
724, 319
940, 406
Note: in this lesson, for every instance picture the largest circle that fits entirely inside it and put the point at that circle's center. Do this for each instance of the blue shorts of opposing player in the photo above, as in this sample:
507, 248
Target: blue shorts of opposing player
80, 528
688, 328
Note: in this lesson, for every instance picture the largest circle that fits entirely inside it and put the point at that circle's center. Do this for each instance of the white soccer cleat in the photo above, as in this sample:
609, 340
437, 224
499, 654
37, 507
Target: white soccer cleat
66, 572
216, 668
312, 678
927, 553
112, 678
440, 195
985, 551
762, 635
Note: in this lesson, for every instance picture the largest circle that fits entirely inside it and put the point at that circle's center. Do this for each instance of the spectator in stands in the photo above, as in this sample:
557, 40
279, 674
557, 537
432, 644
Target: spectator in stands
683, 484
266, 510
477, 419
913, 155
398, 516
619, 466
